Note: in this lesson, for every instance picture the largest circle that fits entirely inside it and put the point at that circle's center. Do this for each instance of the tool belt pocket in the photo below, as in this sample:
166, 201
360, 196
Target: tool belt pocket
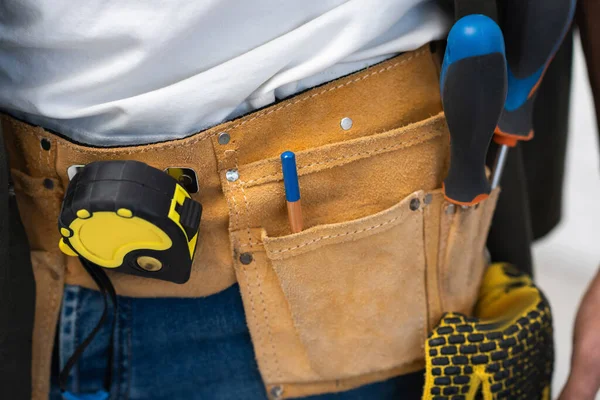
346, 301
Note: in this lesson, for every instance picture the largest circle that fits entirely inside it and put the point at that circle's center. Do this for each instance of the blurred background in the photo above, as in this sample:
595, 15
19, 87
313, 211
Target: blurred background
567, 259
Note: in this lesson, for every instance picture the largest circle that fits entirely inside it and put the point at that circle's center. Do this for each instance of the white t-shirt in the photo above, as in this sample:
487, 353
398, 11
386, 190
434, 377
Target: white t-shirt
121, 72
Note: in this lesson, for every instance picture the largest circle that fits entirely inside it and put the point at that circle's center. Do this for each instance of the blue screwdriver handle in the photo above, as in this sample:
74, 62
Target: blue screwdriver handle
534, 31
473, 86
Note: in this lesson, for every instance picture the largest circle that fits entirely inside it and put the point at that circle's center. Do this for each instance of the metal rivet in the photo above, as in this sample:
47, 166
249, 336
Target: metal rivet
232, 175
46, 144
415, 204
48, 184
276, 392
246, 258
149, 264
346, 123
224, 138
185, 180
450, 209
465, 207
428, 198
186, 177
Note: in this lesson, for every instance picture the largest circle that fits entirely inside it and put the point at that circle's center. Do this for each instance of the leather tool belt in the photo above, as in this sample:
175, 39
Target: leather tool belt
347, 301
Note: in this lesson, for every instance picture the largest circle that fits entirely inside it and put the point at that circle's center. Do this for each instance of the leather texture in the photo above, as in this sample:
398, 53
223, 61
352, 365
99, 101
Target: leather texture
347, 301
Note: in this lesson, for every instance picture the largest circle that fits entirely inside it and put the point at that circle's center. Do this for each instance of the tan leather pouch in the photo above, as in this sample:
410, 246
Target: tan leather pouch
350, 299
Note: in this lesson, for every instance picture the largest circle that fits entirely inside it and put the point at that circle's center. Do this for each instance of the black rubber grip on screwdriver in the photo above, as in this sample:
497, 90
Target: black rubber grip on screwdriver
473, 84
534, 31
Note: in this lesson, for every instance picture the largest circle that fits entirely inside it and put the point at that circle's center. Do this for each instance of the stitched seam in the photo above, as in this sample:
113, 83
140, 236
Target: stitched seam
445, 273
235, 207
39, 160
418, 54
426, 280
438, 270
265, 314
232, 205
244, 245
256, 117
335, 236
406, 144
250, 240
247, 214
253, 309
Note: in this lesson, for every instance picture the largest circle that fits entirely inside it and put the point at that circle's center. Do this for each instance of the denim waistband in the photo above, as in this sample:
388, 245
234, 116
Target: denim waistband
179, 348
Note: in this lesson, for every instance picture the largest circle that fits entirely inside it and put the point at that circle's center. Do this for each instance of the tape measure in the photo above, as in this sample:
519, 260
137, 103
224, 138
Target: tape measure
130, 217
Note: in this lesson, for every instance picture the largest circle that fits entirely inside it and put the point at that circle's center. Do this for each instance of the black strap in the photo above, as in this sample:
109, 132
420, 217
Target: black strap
17, 294
108, 292
468, 7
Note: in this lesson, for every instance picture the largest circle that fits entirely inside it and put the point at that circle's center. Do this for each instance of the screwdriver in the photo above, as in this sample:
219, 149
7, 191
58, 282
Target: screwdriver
533, 30
473, 86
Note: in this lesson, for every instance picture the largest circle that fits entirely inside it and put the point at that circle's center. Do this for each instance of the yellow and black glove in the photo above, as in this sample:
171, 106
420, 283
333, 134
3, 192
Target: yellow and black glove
504, 352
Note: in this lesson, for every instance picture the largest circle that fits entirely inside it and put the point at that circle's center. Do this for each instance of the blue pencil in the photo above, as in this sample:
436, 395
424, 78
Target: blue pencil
292, 190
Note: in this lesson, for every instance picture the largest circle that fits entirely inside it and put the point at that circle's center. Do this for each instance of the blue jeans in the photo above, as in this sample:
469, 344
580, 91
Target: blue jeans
175, 348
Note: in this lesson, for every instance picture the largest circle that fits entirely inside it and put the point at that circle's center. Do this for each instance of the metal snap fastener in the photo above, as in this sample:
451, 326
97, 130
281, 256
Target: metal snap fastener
224, 138
246, 258
428, 198
415, 204
346, 123
186, 177
232, 175
149, 264
276, 392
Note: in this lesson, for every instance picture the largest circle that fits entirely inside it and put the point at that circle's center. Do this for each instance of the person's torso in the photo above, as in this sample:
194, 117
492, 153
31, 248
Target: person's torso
121, 72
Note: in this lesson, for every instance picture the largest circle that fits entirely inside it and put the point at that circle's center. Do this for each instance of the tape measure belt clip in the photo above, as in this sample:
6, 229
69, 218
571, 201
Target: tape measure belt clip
116, 213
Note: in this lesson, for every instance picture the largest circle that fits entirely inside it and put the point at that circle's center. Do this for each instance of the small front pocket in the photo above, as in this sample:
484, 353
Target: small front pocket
349, 300
462, 261
340, 300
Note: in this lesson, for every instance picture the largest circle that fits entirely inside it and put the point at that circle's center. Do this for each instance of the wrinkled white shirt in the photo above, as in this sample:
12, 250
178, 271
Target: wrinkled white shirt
122, 72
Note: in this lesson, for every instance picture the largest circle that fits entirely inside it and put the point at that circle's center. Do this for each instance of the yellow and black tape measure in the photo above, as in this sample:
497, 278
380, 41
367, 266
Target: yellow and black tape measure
131, 217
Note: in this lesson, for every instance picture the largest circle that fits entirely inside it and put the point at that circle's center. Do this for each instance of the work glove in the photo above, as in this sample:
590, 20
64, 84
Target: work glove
504, 351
